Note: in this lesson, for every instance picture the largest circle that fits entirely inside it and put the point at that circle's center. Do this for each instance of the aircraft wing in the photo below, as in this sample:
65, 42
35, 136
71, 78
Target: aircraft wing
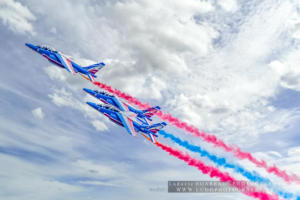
152, 138
91, 77
128, 123
66, 63
122, 106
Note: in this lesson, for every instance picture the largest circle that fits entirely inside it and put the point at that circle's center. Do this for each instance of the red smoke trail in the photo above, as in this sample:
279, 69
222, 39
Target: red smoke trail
123, 95
214, 172
206, 137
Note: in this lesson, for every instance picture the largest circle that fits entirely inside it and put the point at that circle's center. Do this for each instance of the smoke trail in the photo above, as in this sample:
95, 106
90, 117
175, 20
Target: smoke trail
123, 95
237, 152
214, 172
254, 177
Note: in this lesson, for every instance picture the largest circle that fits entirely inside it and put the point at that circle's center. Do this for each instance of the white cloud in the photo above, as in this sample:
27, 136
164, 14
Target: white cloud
63, 97
38, 113
16, 16
228, 92
74, 82
152, 47
164, 45
228, 5
30, 181
99, 125
294, 152
55, 73
287, 70
286, 66
158, 48
294, 24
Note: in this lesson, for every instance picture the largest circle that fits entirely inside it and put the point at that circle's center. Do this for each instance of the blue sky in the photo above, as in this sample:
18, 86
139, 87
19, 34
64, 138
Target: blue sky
228, 67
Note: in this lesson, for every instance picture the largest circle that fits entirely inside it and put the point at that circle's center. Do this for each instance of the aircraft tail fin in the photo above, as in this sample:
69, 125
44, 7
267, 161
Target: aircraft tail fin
151, 111
154, 128
95, 67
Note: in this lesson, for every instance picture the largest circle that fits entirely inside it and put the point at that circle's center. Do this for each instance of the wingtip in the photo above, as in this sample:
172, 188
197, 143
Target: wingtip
86, 90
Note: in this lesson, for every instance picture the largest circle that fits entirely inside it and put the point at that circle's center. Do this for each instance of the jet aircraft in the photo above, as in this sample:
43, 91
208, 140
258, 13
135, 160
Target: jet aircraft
143, 116
127, 121
63, 61
121, 113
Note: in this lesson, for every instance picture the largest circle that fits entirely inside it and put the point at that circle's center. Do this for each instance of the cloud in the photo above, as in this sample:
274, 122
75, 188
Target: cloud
16, 16
55, 73
41, 185
293, 155
152, 49
65, 98
99, 125
287, 71
73, 82
228, 5
229, 91
38, 113
163, 46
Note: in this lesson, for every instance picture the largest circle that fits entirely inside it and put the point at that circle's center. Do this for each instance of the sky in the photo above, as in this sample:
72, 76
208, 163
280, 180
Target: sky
228, 67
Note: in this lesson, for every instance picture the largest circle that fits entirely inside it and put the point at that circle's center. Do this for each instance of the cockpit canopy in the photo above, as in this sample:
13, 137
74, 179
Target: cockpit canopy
105, 93
45, 47
108, 107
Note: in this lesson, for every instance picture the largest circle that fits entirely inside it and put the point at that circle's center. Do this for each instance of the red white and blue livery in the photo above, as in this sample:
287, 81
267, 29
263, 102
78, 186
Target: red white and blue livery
134, 120
64, 61
143, 116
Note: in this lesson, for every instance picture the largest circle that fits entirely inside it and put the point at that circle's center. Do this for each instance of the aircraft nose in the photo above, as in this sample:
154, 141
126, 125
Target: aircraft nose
89, 91
33, 47
92, 104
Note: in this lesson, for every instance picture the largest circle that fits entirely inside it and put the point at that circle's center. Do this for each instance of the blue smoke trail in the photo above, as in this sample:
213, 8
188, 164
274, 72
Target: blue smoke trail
251, 176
